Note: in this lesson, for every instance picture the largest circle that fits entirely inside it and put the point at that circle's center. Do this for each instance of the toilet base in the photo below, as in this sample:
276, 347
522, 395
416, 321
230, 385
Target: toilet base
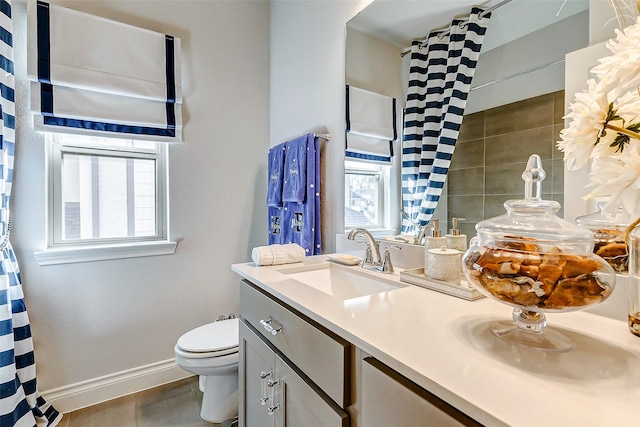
220, 397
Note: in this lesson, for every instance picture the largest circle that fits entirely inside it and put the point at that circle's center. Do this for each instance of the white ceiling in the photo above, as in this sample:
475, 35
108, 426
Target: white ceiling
400, 21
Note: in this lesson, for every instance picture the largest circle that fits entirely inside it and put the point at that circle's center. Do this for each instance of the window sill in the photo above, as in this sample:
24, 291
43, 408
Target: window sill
377, 233
75, 254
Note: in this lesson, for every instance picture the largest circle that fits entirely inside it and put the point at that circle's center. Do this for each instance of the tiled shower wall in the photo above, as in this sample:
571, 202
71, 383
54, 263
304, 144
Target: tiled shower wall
491, 154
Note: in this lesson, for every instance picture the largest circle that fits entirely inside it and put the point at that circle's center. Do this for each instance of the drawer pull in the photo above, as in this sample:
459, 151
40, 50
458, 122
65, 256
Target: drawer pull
272, 409
263, 389
272, 396
267, 325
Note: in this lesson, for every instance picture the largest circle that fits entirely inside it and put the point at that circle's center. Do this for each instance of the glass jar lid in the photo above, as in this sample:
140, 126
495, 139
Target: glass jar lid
534, 219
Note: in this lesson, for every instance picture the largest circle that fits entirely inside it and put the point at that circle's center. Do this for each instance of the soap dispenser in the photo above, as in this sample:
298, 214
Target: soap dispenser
434, 241
455, 240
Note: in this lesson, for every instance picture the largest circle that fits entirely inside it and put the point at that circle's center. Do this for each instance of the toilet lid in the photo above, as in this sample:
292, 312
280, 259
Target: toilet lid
216, 336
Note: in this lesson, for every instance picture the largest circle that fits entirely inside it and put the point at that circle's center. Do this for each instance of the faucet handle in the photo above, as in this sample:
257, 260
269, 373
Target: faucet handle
368, 258
386, 266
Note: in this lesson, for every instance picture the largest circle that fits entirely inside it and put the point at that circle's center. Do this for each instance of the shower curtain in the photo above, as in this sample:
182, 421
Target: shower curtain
20, 403
440, 79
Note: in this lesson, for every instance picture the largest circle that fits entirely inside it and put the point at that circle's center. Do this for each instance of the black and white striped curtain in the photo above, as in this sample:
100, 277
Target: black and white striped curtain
20, 403
440, 79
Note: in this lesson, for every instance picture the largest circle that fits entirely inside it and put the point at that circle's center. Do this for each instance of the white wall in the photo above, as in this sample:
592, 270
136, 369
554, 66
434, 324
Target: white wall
99, 318
525, 54
308, 87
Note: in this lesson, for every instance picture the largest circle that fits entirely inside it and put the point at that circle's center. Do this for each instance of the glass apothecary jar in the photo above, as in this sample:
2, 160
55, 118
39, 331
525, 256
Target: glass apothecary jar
608, 232
536, 262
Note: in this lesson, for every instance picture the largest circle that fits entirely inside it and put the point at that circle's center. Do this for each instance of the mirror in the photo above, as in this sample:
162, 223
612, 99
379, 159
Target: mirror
514, 109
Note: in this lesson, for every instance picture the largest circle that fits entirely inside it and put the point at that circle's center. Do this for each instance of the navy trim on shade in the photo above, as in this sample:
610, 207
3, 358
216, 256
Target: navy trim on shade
44, 48
348, 124
107, 127
395, 125
46, 88
171, 82
369, 157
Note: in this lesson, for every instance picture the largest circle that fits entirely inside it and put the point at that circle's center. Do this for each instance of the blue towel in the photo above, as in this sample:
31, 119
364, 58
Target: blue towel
276, 221
317, 248
302, 220
295, 170
275, 172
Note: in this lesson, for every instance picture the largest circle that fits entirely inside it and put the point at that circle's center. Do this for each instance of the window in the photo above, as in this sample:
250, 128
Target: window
366, 195
105, 193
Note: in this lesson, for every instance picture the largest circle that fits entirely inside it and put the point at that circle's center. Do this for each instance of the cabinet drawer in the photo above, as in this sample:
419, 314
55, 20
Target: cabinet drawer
389, 399
321, 355
290, 400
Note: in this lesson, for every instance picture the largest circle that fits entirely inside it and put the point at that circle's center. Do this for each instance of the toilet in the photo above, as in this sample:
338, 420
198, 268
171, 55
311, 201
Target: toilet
211, 351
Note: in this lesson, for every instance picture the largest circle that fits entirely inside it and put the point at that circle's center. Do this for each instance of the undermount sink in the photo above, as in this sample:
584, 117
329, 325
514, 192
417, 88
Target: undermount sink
341, 282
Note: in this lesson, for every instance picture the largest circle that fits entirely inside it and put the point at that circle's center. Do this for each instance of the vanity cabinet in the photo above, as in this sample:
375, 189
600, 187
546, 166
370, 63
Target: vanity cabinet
291, 372
389, 399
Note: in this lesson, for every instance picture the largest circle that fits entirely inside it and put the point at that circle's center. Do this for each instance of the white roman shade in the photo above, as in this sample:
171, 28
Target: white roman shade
92, 76
371, 125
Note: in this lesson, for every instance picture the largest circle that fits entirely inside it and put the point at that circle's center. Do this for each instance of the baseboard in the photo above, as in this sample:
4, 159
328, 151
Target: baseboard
97, 390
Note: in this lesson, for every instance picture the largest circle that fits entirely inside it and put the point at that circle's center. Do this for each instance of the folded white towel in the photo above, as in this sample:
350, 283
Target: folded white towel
277, 254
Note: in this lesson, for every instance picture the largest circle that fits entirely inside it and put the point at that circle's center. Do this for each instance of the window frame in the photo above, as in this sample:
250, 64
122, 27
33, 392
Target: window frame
384, 194
59, 251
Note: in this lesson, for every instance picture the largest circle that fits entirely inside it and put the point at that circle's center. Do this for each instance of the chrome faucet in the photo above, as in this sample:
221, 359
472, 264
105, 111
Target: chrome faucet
373, 259
423, 232
372, 254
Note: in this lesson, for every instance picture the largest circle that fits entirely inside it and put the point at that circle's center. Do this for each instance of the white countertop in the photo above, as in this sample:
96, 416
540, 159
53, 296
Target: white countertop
443, 344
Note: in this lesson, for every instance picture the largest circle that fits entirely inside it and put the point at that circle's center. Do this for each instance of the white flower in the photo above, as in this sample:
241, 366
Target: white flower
621, 71
586, 120
628, 106
618, 177
604, 126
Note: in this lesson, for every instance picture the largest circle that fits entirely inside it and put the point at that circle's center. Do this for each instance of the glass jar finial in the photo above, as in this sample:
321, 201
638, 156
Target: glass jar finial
533, 176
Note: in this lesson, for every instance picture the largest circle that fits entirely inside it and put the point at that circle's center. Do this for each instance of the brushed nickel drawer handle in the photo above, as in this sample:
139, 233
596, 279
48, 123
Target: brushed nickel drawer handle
266, 324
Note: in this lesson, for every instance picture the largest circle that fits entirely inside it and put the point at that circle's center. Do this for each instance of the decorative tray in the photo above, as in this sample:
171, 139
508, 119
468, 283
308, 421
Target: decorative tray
463, 290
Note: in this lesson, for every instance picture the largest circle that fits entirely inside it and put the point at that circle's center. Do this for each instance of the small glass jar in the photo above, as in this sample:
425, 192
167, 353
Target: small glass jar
536, 262
608, 232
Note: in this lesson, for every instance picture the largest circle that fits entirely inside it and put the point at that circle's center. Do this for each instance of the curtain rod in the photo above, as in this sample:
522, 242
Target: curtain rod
519, 73
446, 31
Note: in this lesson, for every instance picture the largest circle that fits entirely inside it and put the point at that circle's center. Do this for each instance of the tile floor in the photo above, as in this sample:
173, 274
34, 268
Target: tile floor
176, 404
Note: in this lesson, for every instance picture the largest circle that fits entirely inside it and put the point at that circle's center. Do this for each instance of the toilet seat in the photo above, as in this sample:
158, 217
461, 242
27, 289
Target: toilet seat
211, 340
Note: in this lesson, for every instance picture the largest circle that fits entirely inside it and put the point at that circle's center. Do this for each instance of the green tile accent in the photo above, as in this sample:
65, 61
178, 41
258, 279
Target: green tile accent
468, 154
492, 152
472, 127
464, 182
518, 146
528, 114
557, 180
557, 154
558, 107
494, 205
469, 207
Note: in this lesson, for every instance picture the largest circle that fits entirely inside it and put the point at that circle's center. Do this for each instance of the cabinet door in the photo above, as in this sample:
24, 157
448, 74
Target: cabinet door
301, 404
389, 399
257, 366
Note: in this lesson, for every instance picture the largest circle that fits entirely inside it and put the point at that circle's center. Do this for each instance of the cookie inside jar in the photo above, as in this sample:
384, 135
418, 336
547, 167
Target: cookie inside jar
523, 272
608, 232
